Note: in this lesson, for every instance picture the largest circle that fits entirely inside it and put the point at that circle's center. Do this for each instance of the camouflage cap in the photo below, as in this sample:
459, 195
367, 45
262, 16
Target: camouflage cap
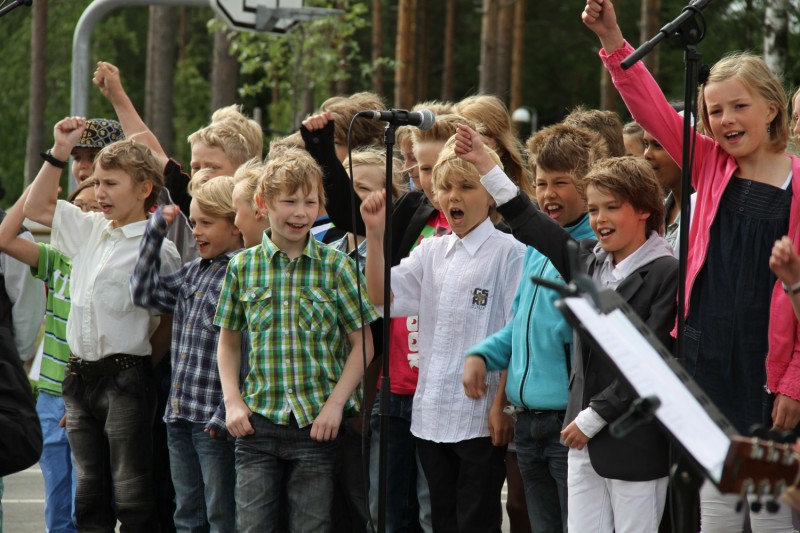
100, 132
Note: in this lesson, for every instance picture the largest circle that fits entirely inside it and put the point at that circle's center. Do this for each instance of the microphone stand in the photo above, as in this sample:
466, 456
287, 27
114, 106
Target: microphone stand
685, 478
383, 411
13, 5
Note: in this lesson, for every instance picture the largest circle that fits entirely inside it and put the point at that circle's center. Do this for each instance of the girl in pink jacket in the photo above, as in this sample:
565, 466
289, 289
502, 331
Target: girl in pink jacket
741, 333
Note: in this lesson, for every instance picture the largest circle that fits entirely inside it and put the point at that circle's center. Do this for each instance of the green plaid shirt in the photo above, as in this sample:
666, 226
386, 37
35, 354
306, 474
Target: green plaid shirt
297, 315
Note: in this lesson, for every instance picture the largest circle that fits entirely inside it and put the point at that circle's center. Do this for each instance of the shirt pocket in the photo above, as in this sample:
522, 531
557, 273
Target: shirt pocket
203, 303
112, 290
257, 302
317, 311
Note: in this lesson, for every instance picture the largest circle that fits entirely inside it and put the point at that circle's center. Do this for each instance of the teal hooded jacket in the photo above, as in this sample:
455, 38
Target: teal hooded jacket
536, 346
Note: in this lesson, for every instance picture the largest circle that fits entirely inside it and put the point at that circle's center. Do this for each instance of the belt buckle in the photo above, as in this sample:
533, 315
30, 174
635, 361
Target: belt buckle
74, 364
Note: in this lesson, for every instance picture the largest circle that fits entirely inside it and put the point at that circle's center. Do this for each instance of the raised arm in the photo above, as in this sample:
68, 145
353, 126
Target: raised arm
373, 211
149, 288
317, 133
11, 243
43, 193
528, 225
107, 79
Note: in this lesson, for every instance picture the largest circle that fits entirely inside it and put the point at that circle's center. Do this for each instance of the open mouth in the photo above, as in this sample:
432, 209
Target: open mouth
294, 226
456, 214
105, 208
202, 244
605, 233
553, 210
734, 135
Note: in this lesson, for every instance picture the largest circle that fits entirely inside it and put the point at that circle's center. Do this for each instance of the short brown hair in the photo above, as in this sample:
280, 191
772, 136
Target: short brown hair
606, 123
568, 149
631, 180
757, 77
344, 108
136, 160
291, 170
239, 137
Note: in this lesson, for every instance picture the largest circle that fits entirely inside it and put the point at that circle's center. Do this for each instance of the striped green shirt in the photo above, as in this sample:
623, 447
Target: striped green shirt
54, 269
297, 314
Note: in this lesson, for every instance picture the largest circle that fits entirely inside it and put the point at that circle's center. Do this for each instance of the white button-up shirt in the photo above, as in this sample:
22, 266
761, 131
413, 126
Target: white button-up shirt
462, 290
103, 320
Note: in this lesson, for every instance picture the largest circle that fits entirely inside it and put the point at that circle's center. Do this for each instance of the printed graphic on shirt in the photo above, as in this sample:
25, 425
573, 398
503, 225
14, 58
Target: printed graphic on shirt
480, 297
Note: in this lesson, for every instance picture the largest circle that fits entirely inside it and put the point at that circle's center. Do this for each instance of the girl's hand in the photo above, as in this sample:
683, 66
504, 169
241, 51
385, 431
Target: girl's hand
66, 134
373, 210
599, 16
785, 412
785, 262
318, 121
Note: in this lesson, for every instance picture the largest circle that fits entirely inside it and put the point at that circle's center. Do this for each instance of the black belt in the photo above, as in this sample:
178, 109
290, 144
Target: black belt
108, 366
544, 411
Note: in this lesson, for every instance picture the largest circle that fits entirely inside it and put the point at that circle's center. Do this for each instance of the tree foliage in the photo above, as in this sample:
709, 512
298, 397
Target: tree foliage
293, 74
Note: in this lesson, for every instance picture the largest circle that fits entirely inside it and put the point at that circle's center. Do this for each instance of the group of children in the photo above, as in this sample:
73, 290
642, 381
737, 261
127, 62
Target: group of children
270, 324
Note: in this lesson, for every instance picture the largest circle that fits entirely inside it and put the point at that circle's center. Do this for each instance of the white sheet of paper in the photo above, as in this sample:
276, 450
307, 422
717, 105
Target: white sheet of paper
680, 412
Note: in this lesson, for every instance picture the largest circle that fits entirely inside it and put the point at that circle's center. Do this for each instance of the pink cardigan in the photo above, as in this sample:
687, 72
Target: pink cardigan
712, 170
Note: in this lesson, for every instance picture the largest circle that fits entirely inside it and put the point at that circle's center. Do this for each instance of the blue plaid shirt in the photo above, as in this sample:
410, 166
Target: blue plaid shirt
190, 295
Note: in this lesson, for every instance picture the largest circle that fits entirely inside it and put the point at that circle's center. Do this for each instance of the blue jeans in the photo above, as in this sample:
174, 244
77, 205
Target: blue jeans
542, 462
276, 456
109, 426
204, 477
56, 463
407, 490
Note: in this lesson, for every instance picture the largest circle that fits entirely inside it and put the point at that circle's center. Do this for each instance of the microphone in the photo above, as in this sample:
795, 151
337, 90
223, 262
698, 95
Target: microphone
423, 119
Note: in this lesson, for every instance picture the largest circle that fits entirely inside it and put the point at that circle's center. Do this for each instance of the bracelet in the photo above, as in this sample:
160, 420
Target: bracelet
792, 289
50, 158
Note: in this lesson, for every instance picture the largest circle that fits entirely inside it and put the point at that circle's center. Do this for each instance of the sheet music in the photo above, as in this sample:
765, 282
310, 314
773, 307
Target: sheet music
643, 366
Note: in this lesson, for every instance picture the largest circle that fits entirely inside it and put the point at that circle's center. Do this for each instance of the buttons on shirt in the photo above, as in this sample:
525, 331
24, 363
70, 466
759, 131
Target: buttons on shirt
286, 302
290, 391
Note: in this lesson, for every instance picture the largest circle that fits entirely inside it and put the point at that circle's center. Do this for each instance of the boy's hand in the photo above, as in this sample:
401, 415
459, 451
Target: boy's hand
66, 134
106, 78
501, 425
170, 213
237, 419
573, 436
318, 121
326, 425
469, 147
373, 210
599, 16
785, 262
474, 377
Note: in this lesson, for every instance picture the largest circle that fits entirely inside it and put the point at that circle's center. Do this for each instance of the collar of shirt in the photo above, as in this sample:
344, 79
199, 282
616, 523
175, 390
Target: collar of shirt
224, 257
609, 275
270, 249
474, 239
135, 229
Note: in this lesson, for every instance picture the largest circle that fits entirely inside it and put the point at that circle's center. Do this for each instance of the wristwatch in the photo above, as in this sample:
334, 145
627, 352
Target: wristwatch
792, 289
50, 158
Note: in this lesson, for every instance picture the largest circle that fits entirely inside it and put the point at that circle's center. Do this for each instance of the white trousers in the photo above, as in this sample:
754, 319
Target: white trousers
718, 514
602, 505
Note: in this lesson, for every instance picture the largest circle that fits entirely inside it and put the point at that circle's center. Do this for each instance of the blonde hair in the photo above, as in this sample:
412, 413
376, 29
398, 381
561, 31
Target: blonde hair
372, 156
493, 120
450, 168
199, 178
247, 177
295, 140
239, 137
437, 107
631, 180
753, 72
606, 123
444, 128
292, 170
568, 149
214, 197
344, 108
136, 160
633, 128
